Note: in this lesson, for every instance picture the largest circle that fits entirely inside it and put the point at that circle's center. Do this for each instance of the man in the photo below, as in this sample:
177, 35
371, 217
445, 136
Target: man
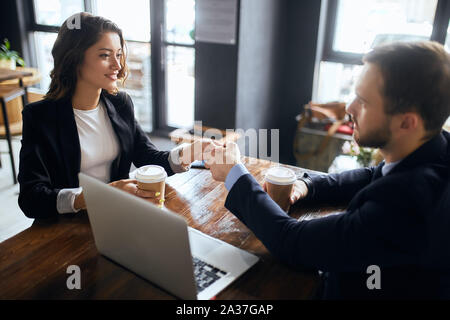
392, 226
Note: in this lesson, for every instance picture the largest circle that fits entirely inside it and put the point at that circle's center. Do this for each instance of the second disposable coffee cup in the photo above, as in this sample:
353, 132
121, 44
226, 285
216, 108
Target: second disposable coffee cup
152, 178
279, 184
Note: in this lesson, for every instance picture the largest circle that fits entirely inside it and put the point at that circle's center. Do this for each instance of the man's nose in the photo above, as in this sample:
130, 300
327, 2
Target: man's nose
350, 108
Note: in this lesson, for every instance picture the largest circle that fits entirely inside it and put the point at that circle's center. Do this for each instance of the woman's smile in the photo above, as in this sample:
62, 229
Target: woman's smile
112, 76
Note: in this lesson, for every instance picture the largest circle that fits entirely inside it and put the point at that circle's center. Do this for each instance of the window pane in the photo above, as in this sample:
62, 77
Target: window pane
55, 12
44, 43
180, 21
180, 86
363, 24
447, 42
138, 83
132, 16
337, 81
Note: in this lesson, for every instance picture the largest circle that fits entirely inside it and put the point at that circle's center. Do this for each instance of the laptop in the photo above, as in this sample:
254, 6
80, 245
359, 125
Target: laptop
158, 245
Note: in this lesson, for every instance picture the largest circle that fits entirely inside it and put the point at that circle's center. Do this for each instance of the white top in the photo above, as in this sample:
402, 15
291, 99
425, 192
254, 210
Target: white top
99, 147
98, 142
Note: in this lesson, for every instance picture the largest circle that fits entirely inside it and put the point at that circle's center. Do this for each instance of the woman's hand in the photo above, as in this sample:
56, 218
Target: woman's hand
130, 186
195, 150
299, 191
79, 203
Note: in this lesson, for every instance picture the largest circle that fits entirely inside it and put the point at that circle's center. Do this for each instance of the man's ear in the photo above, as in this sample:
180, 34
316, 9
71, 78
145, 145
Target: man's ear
410, 120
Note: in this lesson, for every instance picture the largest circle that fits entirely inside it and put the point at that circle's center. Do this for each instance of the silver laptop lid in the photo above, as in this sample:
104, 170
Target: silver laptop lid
135, 233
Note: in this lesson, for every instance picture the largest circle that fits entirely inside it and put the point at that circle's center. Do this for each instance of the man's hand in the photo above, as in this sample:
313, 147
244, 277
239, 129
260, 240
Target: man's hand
299, 191
220, 159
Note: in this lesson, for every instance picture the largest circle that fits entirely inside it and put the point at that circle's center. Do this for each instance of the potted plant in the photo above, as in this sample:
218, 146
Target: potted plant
8, 57
364, 156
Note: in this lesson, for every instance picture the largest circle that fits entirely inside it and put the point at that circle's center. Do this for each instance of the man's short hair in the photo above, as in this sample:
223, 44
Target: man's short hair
416, 78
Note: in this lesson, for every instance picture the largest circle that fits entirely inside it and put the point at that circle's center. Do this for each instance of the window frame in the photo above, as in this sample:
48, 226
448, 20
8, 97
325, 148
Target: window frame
159, 67
439, 33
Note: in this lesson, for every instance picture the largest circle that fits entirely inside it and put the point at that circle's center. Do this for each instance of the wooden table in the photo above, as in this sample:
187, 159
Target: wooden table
33, 264
28, 77
7, 74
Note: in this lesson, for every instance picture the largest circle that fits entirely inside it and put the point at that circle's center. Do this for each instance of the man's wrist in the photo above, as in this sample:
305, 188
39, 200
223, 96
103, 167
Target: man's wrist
308, 183
234, 174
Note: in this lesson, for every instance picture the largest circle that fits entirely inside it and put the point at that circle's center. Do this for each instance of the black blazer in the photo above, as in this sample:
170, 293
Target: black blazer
393, 221
50, 156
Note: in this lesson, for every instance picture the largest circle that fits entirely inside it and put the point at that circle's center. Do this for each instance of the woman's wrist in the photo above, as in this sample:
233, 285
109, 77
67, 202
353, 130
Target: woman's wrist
79, 203
186, 155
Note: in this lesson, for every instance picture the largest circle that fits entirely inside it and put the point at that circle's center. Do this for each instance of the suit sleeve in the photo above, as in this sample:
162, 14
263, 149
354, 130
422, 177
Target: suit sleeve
37, 197
144, 151
336, 189
348, 241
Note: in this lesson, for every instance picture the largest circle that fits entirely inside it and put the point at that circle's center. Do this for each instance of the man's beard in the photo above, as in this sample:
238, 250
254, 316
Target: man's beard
376, 138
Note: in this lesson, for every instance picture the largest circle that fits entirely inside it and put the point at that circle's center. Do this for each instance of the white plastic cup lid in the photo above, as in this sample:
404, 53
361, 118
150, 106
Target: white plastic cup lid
280, 175
151, 173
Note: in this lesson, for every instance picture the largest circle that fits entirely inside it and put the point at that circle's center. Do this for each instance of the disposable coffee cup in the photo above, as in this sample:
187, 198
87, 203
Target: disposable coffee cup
279, 184
152, 178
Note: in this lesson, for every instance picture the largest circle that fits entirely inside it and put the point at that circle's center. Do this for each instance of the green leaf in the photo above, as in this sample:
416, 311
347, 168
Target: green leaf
6, 53
20, 62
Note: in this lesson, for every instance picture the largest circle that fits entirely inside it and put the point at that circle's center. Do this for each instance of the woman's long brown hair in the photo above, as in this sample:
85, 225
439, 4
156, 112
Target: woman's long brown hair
69, 48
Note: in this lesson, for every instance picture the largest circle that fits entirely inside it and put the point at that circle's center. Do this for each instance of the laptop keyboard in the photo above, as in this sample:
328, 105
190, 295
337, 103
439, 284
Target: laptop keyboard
205, 274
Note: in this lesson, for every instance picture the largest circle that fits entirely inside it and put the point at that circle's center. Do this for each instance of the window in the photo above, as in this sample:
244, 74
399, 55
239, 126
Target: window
43, 47
48, 16
180, 86
55, 12
179, 50
447, 42
134, 20
164, 97
362, 25
354, 27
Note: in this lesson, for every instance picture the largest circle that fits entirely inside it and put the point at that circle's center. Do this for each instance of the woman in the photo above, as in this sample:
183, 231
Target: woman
84, 124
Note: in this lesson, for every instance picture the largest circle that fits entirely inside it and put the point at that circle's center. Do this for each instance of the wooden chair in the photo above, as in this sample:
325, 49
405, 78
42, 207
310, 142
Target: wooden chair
6, 131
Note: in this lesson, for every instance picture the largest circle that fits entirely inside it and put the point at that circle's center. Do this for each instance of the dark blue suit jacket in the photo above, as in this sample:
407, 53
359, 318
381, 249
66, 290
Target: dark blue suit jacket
394, 221
50, 156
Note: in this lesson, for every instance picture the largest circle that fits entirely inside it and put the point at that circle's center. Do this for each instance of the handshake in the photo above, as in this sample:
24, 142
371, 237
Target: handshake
218, 157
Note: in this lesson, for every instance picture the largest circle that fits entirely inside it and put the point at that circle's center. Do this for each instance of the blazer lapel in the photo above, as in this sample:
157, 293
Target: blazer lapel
69, 140
377, 173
